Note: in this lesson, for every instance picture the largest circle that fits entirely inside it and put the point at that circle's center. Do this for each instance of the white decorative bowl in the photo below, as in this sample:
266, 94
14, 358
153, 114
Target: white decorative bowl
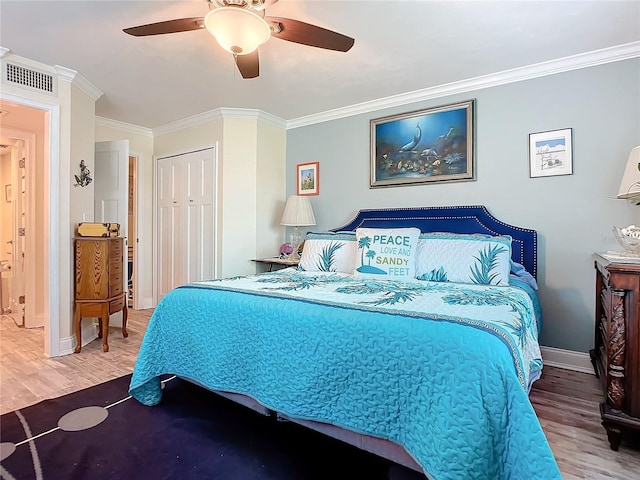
629, 239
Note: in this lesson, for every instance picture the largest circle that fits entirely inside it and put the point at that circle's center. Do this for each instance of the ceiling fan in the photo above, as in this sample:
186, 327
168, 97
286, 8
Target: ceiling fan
240, 27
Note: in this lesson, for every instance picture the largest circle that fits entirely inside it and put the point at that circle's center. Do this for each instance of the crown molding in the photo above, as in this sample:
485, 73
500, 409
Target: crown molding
552, 67
188, 122
253, 114
123, 126
79, 81
220, 113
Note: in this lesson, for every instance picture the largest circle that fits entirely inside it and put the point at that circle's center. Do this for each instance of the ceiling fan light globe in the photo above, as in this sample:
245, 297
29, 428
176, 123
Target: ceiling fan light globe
237, 30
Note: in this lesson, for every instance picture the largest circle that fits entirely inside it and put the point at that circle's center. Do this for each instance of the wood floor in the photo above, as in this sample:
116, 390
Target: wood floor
566, 402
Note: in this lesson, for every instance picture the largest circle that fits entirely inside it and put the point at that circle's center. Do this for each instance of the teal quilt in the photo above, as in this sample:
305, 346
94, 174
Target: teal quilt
443, 369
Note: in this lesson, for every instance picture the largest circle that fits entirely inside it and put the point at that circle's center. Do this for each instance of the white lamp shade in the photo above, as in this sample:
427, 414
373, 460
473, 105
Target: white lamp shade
237, 30
298, 212
630, 185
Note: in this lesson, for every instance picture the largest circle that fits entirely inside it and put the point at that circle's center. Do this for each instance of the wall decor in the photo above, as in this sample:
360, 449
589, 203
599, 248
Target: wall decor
550, 153
8, 193
308, 178
84, 178
431, 145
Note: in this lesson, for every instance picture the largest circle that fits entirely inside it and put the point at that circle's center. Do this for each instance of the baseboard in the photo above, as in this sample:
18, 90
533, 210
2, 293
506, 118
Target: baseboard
146, 303
567, 359
89, 333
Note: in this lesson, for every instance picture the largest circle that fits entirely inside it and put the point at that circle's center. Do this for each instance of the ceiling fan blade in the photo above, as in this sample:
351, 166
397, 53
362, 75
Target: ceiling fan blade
249, 65
311, 35
168, 26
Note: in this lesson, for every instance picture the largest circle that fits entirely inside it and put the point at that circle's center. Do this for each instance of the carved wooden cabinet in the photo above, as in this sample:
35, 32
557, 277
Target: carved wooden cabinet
99, 285
616, 352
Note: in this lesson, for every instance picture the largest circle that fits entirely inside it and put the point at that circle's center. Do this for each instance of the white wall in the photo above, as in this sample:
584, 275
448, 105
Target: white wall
573, 214
270, 199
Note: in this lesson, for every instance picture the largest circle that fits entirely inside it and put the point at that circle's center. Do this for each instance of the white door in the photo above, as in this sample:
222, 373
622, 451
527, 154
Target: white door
17, 244
186, 186
199, 229
169, 222
111, 191
21, 291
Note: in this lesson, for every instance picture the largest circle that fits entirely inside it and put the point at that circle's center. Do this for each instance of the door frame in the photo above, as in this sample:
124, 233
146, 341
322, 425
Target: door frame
133, 236
51, 216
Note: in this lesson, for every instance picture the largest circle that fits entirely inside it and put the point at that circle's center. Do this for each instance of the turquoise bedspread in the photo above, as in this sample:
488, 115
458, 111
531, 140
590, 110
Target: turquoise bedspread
368, 356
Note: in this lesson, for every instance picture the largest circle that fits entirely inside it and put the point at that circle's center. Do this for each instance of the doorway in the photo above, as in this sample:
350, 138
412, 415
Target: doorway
43, 120
20, 297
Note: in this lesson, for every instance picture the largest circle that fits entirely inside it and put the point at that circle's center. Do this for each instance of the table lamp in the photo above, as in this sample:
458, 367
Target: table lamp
297, 213
629, 237
630, 184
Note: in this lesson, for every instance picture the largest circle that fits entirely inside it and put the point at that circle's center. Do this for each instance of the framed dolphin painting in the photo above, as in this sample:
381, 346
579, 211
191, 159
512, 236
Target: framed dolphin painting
432, 145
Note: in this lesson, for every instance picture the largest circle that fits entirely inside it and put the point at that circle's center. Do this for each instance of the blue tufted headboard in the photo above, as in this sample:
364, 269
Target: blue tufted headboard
455, 219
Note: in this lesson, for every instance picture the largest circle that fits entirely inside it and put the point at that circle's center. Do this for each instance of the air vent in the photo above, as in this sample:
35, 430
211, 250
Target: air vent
28, 77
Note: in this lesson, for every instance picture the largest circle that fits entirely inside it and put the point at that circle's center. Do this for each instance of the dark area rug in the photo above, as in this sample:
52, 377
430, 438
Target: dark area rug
192, 434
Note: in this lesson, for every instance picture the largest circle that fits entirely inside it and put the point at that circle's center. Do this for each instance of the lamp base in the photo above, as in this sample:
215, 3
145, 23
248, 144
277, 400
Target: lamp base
295, 240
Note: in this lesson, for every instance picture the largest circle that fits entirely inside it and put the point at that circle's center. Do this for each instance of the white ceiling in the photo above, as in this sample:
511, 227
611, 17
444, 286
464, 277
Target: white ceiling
400, 46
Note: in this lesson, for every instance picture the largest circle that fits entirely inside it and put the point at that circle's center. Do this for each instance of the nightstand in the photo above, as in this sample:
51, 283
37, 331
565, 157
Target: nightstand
616, 353
277, 261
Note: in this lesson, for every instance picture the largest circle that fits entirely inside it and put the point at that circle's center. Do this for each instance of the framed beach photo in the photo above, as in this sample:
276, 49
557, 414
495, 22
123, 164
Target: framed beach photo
308, 178
550, 153
432, 145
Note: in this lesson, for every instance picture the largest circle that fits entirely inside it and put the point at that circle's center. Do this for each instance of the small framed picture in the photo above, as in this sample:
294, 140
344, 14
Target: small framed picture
550, 153
308, 178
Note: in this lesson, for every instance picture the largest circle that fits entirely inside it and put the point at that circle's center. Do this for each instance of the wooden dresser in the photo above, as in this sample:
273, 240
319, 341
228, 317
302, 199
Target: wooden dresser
616, 353
99, 285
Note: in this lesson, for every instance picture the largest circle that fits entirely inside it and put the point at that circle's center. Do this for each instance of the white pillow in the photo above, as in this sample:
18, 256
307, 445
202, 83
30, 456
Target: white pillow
386, 253
329, 252
464, 258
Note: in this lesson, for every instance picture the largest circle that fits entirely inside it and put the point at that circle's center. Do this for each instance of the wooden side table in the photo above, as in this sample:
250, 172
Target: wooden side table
99, 285
277, 261
616, 352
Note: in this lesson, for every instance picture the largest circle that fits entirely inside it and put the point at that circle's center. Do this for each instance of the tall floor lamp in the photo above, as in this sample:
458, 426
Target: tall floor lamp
297, 213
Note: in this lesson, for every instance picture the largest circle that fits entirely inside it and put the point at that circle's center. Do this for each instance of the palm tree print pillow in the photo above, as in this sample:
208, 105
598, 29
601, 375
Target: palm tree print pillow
386, 253
329, 252
464, 258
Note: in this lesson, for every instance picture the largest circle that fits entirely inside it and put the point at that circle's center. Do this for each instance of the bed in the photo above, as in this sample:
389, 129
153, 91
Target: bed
428, 366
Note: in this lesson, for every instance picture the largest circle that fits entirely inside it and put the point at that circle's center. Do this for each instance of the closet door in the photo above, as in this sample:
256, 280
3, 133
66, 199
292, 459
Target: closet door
169, 223
186, 186
199, 216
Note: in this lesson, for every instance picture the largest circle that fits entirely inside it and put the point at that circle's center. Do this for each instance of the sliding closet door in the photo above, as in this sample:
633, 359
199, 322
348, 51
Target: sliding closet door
186, 187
